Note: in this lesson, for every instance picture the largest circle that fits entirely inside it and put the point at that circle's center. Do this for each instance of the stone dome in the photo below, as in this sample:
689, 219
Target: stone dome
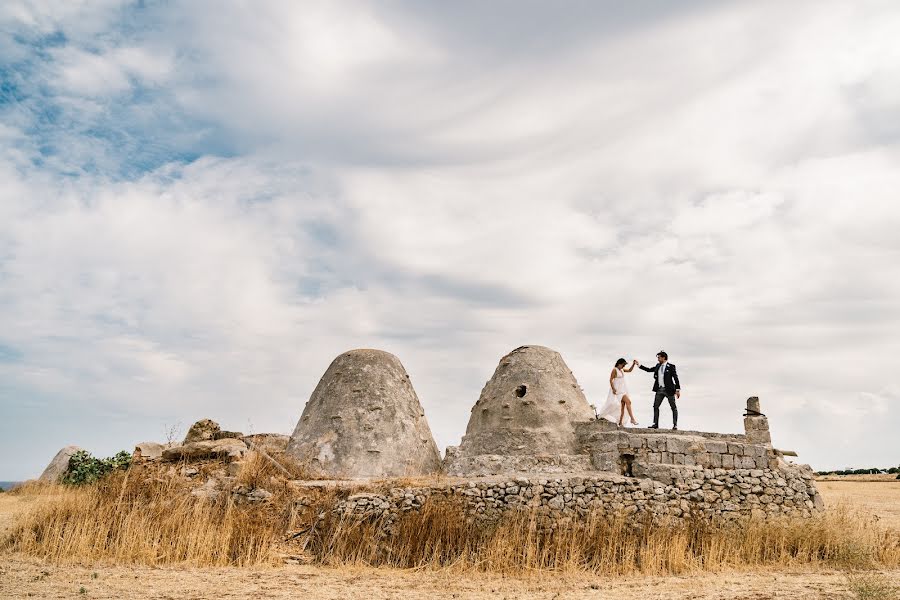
529, 407
365, 420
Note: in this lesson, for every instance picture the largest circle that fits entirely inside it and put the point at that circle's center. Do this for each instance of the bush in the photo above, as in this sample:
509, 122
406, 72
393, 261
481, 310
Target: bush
893, 470
84, 468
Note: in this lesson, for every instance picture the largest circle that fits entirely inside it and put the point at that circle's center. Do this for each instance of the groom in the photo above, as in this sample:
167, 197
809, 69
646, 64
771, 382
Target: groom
666, 385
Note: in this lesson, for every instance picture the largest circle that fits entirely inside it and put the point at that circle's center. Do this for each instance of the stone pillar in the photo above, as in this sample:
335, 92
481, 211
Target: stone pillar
756, 425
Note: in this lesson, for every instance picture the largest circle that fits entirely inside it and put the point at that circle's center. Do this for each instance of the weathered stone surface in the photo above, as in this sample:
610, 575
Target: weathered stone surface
529, 407
148, 451
497, 464
59, 464
267, 442
202, 430
227, 448
365, 420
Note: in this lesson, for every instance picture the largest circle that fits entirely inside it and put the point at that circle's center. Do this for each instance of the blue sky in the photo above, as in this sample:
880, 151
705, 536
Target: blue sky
204, 203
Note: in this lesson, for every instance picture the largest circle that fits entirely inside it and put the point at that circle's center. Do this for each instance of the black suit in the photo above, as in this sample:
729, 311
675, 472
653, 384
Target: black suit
670, 385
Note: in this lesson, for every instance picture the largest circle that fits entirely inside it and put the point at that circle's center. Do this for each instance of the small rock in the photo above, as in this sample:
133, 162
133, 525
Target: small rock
202, 430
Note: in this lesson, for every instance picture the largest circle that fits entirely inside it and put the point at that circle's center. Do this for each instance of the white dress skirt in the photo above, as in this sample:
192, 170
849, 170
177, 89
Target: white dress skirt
613, 407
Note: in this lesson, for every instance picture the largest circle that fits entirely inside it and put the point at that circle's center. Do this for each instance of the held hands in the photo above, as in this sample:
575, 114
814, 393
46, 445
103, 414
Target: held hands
635, 362
678, 394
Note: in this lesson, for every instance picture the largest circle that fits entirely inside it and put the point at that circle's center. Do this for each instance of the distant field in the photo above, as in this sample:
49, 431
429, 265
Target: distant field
879, 477
879, 494
5, 485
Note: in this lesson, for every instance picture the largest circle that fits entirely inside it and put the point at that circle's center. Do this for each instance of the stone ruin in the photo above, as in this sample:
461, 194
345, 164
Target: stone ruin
524, 420
365, 420
532, 442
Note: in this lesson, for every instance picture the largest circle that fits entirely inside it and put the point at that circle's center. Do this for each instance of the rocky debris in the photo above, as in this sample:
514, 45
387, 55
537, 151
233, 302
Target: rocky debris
59, 464
146, 451
208, 490
529, 407
229, 448
267, 442
365, 420
243, 493
202, 430
224, 435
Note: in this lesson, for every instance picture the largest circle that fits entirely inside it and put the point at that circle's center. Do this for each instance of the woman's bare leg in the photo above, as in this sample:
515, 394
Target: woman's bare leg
626, 403
622, 414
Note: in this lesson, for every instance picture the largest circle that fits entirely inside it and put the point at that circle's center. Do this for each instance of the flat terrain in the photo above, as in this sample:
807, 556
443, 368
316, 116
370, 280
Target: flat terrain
26, 577
881, 497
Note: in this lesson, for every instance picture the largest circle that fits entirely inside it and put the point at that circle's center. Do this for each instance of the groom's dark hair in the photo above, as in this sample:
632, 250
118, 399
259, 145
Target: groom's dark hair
621, 361
663, 354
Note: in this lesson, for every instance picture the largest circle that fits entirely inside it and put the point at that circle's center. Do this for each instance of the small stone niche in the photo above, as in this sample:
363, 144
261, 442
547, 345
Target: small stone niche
626, 463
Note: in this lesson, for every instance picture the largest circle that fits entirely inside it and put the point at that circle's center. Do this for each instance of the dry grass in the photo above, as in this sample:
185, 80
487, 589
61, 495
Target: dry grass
139, 517
128, 519
872, 586
879, 497
441, 537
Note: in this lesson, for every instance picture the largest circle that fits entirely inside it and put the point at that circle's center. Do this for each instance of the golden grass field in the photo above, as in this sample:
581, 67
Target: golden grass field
847, 574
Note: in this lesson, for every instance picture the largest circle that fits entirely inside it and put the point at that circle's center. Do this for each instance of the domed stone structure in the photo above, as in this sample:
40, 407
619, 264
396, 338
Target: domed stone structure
524, 419
365, 420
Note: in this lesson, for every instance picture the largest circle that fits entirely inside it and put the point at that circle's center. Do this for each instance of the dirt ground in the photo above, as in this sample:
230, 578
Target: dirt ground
23, 577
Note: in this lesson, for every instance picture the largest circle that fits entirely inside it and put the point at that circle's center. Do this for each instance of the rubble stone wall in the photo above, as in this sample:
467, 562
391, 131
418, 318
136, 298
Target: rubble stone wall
719, 494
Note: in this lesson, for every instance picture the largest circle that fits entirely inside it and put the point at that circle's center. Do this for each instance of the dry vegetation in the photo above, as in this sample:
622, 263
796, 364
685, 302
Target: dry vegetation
142, 517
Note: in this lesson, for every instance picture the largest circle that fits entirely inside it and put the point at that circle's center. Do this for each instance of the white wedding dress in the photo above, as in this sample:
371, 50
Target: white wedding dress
613, 407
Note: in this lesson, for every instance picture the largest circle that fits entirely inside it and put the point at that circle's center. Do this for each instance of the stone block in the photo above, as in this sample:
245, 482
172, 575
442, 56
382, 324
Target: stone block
727, 461
677, 445
716, 446
735, 449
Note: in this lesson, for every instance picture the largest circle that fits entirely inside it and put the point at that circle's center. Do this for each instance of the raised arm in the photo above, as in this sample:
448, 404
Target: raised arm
648, 369
631, 368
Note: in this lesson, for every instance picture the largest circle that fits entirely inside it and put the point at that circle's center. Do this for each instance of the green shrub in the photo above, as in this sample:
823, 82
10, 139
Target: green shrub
84, 468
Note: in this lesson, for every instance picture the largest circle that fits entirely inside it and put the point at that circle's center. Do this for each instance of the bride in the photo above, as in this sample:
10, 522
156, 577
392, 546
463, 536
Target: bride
617, 402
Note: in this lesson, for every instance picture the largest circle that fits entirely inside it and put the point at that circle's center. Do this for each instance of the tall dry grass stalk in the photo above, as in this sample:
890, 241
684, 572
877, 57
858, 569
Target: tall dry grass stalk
153, 522
440, 537
134, 518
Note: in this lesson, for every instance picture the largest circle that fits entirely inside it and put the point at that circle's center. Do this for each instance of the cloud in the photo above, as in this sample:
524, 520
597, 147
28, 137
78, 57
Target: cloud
201, 209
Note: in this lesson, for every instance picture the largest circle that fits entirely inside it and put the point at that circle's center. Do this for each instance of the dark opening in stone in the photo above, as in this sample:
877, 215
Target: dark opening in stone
625, 462
521, 391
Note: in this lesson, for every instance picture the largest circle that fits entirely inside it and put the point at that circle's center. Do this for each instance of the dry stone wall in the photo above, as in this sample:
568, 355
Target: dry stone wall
718, 494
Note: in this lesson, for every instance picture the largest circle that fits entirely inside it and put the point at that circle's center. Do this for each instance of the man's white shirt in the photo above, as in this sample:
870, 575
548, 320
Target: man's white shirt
662, 379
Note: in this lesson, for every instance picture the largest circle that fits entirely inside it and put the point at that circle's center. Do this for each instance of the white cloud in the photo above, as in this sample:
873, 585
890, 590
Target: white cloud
627, 192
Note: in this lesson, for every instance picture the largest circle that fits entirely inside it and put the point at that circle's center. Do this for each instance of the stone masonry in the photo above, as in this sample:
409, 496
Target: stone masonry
719, 494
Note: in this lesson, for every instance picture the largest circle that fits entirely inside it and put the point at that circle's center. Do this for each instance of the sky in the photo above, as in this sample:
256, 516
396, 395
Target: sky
203, 203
